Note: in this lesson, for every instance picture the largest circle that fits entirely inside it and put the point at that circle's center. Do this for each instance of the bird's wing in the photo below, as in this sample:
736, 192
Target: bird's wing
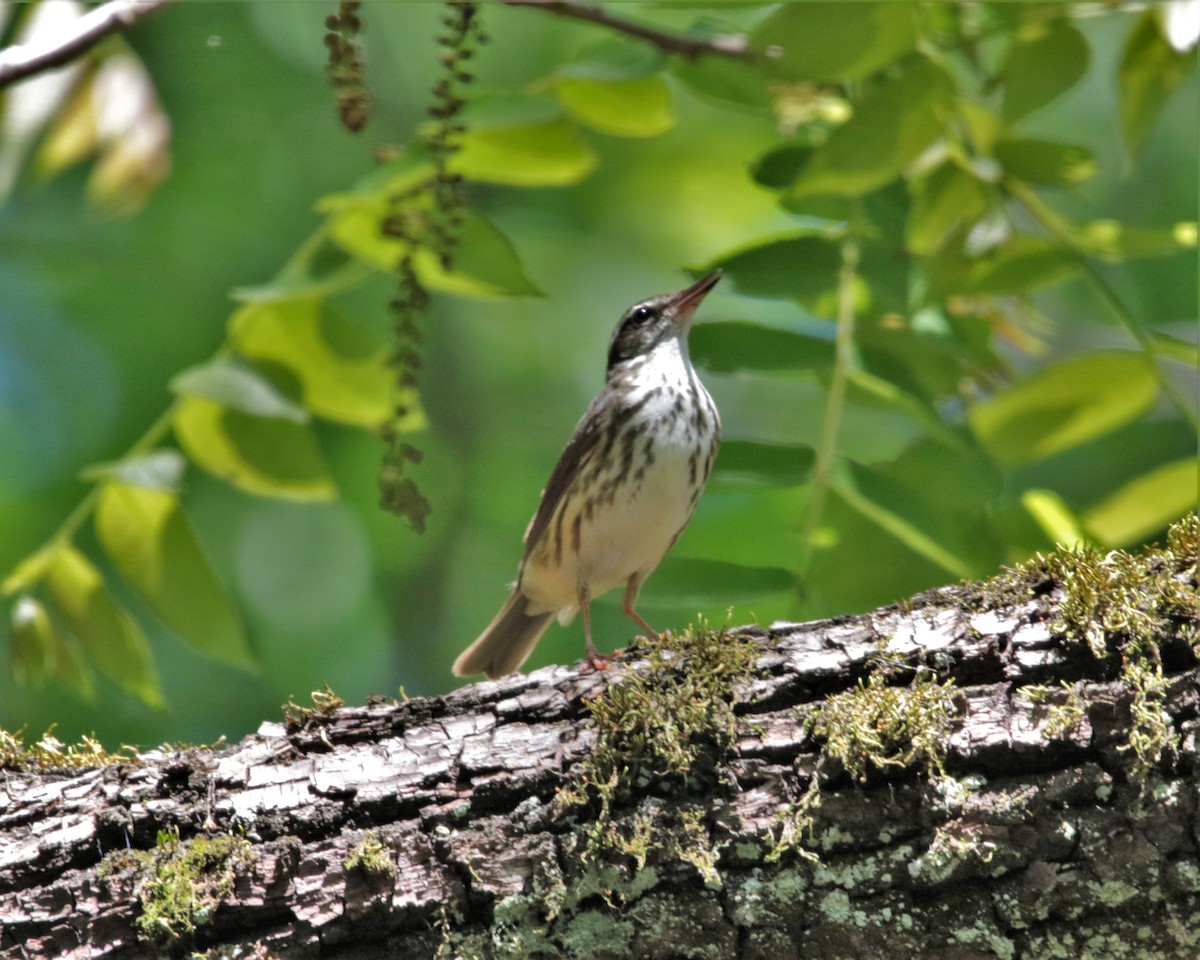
581, 448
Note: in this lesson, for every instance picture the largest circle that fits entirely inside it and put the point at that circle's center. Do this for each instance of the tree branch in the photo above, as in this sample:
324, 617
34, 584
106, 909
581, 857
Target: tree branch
725, 45
25, 59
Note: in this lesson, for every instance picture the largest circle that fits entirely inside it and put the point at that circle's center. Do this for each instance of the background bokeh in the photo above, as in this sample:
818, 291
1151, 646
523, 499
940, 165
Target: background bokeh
98, 313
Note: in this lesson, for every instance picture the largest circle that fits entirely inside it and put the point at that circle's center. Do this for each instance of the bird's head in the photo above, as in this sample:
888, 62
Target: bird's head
651, 322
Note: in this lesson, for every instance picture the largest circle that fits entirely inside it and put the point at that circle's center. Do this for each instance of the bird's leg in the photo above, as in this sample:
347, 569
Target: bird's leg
595, 659
632, 586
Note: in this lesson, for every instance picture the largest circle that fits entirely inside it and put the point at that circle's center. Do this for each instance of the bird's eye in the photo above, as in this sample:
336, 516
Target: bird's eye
642, 314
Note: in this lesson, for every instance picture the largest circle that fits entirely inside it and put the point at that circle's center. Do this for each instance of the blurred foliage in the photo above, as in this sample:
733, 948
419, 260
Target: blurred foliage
958, 323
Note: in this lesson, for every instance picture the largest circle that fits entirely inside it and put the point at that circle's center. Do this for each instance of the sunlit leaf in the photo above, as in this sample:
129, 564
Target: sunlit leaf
637, 107
801, 267
339, 365
1045, 60
157, 470
1116, 241
945, 200
486, 264
266, 456
236, 386
688, 582
1056, 520
897, 118
546, 154
1065, 405
1021, 264
1046, 162
1146, 504
834, 41
107, 633
38, 653
724, 346
741, 462
149, 539
27, 573
1151, 70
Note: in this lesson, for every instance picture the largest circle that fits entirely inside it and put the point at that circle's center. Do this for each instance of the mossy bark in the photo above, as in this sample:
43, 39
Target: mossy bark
993, 840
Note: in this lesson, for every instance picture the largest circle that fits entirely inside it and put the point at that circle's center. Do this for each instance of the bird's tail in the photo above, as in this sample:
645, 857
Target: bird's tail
506, 642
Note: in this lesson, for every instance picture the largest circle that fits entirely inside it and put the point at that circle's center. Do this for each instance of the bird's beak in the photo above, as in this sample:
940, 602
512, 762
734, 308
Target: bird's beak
684, 303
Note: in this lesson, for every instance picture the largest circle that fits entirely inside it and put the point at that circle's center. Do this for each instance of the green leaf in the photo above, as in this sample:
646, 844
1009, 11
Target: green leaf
327, 270
107, 633
739, 83
801, 267
1045, 60
614, 58
947, 199
39, 653
688, 582
157, 470
1151, 70
1146, 504
834, 41
1065, 405
1018, 266
637, 107
340, 366
152, 544
1046, 162
724, 346
896, 120
268, 457
744, 463
233, 385
546, 154
904, 530
1165, 345
485, 264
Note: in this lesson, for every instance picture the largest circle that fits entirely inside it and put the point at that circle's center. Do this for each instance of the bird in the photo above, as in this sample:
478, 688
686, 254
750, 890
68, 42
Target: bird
622, 491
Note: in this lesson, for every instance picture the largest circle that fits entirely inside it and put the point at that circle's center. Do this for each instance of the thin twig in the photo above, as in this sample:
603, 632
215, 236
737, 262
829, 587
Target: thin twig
22, 60
689, 47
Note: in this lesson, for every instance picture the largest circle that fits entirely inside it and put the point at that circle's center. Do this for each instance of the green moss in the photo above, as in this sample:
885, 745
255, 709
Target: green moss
50, 753
370, 856
185, 881
874, 725
1122, 605
666, 723
324, 703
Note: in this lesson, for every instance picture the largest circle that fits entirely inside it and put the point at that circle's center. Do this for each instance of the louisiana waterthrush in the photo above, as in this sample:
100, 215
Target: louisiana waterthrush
622, 491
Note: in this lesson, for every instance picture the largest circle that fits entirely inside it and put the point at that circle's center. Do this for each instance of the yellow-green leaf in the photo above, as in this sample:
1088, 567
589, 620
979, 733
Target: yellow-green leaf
635, 107
150, 541
1065, 405
1146, 504
39, 653
107, 633
340, 366
1055, 519
1046, 162
1017, 266
236, 386
157, 470
268, 457
485, 264
546, 154
27, 573
897, 119
945, 200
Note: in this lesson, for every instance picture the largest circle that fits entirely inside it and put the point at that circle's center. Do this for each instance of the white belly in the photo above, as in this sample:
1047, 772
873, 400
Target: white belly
616, 521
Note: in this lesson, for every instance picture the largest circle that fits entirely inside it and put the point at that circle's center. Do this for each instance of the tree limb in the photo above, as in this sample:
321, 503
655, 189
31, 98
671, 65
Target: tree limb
727, 45
26, 59
461, 825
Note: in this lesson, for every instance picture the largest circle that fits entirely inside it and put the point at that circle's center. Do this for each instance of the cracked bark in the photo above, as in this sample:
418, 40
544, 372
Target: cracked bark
1033, 847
